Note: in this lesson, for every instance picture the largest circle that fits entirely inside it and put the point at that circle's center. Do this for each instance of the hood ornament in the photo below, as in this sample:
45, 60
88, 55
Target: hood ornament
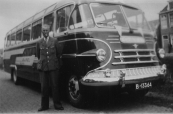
135, 45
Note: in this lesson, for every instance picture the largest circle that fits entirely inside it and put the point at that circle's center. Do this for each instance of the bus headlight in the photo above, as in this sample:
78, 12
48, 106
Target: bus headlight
101, 55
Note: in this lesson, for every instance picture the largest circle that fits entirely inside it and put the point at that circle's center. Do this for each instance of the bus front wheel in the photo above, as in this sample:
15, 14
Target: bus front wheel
74, 95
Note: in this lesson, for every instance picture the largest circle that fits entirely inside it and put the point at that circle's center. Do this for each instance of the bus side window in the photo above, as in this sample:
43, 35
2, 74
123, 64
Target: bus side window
26, 33
62, 18
49, 20
19, 37
8, 41
81, 18
13, 39
36, 29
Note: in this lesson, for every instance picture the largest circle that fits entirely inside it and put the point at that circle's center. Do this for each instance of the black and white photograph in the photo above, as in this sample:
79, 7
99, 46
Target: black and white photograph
86, 56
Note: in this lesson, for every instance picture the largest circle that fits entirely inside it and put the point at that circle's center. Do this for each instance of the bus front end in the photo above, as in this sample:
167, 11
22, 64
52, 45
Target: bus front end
125, 51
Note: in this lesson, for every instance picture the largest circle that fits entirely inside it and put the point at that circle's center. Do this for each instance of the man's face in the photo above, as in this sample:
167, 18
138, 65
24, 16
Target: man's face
45, 32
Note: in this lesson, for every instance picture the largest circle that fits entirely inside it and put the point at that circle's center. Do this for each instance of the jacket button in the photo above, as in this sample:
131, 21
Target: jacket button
47, 52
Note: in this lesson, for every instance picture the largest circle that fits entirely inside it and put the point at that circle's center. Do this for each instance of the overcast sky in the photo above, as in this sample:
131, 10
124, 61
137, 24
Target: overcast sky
13, 12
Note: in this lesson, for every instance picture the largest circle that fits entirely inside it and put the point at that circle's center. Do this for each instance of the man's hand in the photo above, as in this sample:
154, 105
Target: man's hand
162, 53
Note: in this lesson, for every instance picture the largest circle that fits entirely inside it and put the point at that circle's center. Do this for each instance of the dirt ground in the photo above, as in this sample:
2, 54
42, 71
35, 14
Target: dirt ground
25, 98
162, 95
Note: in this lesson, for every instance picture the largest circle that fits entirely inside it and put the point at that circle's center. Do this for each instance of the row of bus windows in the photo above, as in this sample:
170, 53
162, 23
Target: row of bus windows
81, 18
28, 32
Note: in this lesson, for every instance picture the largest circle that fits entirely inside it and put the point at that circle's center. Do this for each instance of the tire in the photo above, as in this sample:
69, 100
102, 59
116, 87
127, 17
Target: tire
15, 78
73, 91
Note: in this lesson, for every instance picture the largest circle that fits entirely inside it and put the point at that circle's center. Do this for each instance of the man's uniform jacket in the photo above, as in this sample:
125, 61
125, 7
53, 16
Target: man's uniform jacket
49, 54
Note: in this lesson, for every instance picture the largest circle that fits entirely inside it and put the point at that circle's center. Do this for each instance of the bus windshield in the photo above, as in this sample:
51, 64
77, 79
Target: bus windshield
108, 15
136, 18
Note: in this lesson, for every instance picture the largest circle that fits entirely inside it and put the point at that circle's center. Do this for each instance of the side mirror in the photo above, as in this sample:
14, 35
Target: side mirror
51, 34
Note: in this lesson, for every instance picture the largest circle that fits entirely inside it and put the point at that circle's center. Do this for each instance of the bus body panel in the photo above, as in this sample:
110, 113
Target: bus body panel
24, 71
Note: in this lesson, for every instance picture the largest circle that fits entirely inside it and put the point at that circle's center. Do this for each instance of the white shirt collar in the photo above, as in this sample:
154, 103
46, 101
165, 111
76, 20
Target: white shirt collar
46, 39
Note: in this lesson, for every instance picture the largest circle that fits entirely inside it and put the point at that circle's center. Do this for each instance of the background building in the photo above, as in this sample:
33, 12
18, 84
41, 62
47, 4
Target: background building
154, 24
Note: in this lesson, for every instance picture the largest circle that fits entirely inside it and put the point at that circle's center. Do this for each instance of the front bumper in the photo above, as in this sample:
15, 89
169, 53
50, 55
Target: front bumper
118, 82
126, 80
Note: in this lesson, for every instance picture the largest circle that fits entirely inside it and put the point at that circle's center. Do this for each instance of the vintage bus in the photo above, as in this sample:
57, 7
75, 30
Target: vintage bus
104, 44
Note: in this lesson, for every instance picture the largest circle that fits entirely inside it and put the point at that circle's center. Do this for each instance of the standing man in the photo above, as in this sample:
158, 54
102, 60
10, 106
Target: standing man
48, 65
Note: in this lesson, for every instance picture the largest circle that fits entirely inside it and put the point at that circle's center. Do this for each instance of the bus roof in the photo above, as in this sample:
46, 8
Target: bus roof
58, 5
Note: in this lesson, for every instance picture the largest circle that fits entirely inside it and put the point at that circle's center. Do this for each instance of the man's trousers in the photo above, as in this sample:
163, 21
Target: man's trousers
49, 79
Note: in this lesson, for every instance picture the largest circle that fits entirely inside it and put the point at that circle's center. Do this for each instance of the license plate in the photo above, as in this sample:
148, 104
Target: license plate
143, 85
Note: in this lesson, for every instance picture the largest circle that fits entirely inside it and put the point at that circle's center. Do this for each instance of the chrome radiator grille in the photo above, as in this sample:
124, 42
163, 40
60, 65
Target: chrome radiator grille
145, 71
135, 56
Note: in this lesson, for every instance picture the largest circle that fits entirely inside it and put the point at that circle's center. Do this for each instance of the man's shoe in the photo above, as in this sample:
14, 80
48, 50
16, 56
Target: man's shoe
42, 109
59, 108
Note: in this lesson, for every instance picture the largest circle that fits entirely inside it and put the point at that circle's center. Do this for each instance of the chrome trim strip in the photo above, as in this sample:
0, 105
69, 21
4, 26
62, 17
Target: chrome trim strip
72, 55
148, 37
75, 55
134, 56
133, 50
134, 62
80, 55
67, 40
114, 42
149, 40
113, 36
113, 39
